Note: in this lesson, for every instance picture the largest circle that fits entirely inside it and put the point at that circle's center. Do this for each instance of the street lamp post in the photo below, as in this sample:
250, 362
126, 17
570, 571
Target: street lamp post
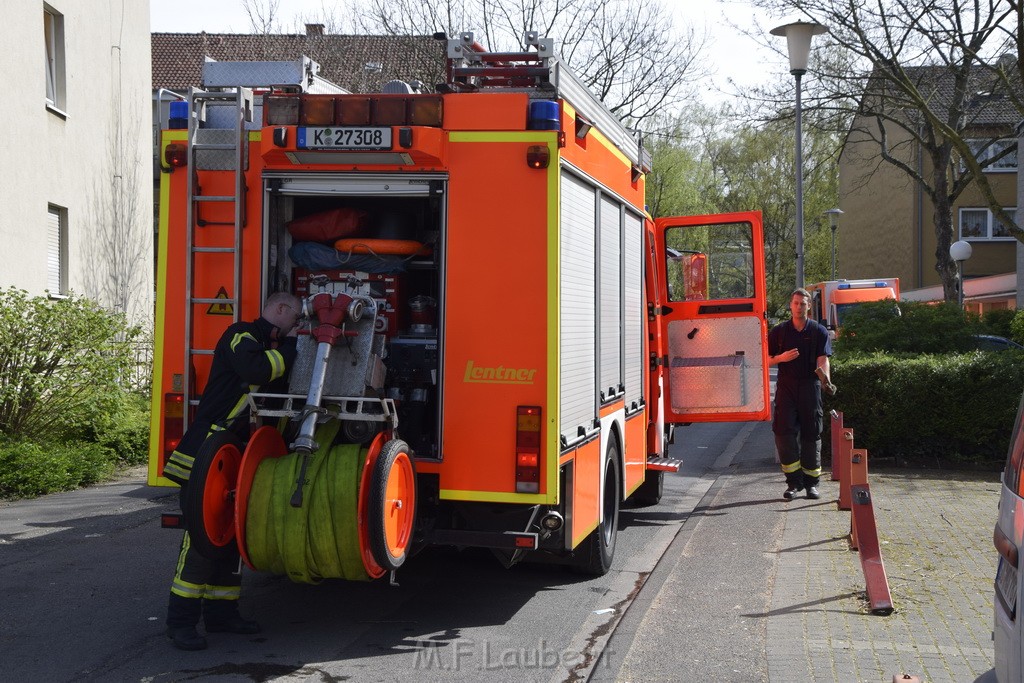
960, 251
833, 217
798, 42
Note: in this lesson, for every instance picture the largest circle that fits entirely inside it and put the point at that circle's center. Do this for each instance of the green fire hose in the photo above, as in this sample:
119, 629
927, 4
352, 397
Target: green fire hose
319, 540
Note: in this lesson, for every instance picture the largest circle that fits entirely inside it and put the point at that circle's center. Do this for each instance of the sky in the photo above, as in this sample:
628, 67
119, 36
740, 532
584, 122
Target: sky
734, 55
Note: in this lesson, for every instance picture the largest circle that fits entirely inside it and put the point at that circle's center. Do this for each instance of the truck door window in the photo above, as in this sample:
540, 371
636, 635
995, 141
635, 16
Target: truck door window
708, 262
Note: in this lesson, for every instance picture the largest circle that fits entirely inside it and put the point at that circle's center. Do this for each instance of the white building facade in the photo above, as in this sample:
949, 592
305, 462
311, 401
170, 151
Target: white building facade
76, 192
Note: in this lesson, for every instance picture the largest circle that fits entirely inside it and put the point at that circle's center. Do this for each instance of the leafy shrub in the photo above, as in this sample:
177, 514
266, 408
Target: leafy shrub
951, 409
33, 469
921, 328
1017, 327
61, 363
124, 430
998, 322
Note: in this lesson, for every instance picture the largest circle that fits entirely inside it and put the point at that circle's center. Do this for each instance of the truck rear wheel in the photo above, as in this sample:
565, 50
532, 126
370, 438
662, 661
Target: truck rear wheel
598, 550
209, 501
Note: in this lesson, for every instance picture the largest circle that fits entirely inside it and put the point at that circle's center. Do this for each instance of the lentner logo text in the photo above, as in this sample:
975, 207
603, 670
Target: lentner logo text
498, 375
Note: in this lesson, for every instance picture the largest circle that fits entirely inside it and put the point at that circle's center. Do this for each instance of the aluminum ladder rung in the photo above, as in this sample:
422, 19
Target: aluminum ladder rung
213, 198
206, 300
213, 250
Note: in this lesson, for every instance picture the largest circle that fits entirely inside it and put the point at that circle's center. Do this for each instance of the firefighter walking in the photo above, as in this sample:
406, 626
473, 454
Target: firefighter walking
249, 355
799, 347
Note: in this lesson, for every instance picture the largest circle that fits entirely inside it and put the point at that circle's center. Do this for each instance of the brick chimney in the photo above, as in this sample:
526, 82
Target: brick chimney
314, 29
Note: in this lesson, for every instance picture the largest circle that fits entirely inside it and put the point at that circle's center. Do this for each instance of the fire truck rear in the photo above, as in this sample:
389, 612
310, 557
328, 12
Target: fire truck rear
499, 337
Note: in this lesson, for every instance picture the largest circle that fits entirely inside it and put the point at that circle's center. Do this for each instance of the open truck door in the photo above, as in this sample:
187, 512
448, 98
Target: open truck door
712, 319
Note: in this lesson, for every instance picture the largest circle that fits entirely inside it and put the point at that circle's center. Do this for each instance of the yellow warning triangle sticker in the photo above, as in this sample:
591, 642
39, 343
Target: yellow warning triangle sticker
221, 309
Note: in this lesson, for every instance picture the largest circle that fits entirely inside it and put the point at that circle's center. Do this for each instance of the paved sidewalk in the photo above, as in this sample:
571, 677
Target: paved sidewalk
936, 534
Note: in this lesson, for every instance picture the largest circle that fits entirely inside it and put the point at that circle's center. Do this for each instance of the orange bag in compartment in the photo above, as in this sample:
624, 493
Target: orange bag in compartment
327, 226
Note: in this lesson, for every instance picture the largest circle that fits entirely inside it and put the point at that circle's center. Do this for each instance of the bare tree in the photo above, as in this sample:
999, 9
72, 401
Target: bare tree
118, 252
264, 15
916, 82
627, 51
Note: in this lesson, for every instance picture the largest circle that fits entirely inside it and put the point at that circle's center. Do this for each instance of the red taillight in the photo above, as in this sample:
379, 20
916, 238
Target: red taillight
1005, 546
528, 424
176, 155
174, 421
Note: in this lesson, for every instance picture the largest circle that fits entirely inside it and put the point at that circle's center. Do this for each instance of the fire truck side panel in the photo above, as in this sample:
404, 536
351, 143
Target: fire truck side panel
499, 349
485, 111
165, 319
601, 159
586, 495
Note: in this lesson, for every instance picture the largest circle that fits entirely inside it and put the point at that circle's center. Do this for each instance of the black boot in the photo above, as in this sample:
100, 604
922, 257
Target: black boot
222, 616
186, 638
182, 617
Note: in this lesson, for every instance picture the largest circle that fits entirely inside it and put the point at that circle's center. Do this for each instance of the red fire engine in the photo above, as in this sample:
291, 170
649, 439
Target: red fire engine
499, 336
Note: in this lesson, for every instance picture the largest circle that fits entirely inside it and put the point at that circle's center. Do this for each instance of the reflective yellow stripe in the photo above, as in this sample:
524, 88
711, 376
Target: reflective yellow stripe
812, 473
791, 468
182, 459
276, 364
185, 543
223, 592
176, 471
239, 337
187, 590
239, 407
179, 465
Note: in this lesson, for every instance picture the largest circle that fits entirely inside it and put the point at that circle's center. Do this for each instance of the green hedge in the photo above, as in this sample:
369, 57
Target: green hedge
954, 410
31, 469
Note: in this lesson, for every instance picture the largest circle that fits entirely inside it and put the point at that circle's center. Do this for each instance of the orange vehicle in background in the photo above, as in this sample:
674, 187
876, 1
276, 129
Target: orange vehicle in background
499, 336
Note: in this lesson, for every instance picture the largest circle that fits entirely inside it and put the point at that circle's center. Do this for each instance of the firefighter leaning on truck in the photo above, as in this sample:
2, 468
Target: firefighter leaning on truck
248, 355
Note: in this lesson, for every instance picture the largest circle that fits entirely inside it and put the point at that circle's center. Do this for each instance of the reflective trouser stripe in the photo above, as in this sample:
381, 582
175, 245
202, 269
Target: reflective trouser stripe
188, 589
222, 592
791, 467
239, 407
812, 473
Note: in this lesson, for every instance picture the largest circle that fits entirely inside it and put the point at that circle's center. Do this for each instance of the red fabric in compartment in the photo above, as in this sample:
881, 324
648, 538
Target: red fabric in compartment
327, 226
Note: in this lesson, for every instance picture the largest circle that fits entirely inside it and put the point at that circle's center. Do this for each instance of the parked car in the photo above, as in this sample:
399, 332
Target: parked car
990, 342
1008, 634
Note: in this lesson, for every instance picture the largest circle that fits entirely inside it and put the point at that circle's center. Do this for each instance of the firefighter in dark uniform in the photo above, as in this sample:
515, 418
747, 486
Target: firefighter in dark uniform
799, 346
249, 356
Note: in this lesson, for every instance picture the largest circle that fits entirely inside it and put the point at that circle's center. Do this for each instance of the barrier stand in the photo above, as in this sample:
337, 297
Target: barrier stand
855, 495
858, 477
845, 454
836, 432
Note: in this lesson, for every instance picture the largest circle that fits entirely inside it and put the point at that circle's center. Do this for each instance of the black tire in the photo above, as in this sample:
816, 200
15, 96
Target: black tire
391, 554
204, 540
649, 493
597, 551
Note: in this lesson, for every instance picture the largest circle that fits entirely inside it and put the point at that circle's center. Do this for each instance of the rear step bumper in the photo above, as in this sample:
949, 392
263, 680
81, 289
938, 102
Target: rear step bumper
664, 464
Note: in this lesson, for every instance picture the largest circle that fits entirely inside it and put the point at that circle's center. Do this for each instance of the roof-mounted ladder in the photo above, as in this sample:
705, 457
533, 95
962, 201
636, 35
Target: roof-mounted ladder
223, 149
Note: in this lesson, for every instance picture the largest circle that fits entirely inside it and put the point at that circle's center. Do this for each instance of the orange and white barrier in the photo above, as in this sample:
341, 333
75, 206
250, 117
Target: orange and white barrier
850, 466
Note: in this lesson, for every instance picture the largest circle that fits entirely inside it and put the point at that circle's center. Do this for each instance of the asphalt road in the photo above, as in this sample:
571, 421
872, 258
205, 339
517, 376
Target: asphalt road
84, 578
